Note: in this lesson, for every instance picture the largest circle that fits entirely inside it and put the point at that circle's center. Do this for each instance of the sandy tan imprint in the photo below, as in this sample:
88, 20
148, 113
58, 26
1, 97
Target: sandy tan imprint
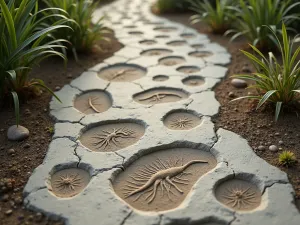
162, 36
67, 183
93, 102
156, 52
161, 180
160, 78
181, 121
171, 60
160, 95
176, 43
197, 46
193, 81
165, 29
188, 35
122, 73
148, 42
238, 194
135, 33
112, 137
188, 69
200, 54
130, 26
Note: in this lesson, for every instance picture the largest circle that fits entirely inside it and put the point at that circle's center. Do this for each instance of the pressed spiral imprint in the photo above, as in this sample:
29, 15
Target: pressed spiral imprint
163, 175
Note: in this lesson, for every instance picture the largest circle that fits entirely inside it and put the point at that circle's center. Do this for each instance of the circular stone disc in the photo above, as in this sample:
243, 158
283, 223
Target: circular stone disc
188, 69
143, 168
160, 78
193, 81
171, 60
148, 42
165, 29
176, 43
93, 102
238, 194
200, 54
69, 182
160, 95
112, 137
187, 35
122, 73
156, 52
181, 121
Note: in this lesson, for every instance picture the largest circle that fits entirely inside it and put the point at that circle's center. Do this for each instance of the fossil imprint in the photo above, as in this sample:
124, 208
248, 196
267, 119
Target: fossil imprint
68, 182
159, 175
113, 137
158, 97
181, 122
238, 197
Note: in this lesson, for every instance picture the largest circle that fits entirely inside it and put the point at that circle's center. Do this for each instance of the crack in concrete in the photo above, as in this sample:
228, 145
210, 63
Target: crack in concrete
126, 218
270, 185
122, 167
234, 218
160, 219
76, 154
139, 86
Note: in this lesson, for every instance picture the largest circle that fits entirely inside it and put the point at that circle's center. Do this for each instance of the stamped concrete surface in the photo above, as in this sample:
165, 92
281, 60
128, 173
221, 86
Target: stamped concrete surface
147, 100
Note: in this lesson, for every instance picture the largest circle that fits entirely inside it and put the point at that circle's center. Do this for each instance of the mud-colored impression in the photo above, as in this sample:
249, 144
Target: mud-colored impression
156, 52
160, 78
165, 29
181, 120
188, 69
135, 33
67, 183
188, 35
200, 54
161, 180
93, 102
148, 42
129, 26
162, 36
176, 43
198, 46
193, 81
112, 137
122, 72
238, 194
171, 60
160, 95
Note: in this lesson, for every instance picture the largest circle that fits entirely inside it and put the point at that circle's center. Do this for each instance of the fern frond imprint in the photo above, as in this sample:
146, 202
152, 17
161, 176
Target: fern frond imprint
114, 137
159, 175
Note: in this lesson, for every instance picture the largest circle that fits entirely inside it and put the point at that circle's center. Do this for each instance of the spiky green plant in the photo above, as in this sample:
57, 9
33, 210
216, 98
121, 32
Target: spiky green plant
287, 158
252, 17
79, 13
217, 16
24, 43
275, 82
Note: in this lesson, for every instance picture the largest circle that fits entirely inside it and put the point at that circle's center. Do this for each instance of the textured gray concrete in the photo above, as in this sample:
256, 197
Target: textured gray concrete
97, 203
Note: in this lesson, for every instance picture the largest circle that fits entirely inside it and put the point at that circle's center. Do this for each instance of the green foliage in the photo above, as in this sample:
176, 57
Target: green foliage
168, 6
287, 158
24, 43
276, 83
79, 14
252, 17
217, 15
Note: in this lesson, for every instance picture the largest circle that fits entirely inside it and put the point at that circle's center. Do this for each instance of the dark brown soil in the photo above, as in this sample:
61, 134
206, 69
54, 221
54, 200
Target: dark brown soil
258, 127
16, 167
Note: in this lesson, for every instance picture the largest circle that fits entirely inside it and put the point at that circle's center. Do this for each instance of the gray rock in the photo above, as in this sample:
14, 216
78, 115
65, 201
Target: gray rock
280, 142
273, 148
238, 83
261, 148
17, 133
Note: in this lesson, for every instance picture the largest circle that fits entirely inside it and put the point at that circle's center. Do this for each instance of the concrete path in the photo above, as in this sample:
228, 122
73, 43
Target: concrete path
147, 100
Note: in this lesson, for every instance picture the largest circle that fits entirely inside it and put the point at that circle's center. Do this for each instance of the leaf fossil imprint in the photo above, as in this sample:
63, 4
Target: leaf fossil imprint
158, 97
166, 174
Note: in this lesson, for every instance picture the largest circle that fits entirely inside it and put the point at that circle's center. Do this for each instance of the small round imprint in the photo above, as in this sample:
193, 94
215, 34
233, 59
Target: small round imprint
238, 194
67, 183
156, 52
171, 60
200, 54
177, 43
181, 120
188, 69
193, 81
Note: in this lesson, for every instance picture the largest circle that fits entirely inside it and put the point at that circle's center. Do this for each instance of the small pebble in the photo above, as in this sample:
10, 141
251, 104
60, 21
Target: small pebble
238, 83
5, 198
11, 151
27, 112
273, 148
246, 69
277, 134
280, 142
38, 217
8, 212
17, 133
57, 88
261, 148
231, 95
27, 145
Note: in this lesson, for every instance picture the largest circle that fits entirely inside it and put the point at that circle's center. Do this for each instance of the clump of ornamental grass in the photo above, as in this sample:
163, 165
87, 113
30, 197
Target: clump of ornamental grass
276, 83
287, 158
253, 16
217, 16
24, 43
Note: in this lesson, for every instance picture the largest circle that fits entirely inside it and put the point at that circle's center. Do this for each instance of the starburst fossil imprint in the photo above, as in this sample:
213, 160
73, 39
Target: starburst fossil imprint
113, 137
68, 182
164, 175
239, 197
181, 122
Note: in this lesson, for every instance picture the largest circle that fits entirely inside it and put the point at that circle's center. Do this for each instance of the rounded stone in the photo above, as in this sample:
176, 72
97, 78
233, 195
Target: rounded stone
261, 148
17, 133
10, 151
280, 142
231, 94
238, 83
273, 148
